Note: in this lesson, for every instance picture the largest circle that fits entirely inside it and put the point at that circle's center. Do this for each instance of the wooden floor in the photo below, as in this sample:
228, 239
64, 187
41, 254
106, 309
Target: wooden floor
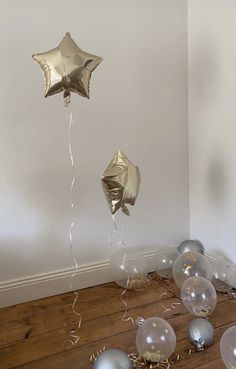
32, 335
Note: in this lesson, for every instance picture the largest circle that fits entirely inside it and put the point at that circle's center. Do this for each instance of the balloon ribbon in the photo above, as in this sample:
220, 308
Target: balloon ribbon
74, 333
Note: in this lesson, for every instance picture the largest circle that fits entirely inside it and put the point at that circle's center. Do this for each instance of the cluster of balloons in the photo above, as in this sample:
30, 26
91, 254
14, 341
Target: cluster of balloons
156, 339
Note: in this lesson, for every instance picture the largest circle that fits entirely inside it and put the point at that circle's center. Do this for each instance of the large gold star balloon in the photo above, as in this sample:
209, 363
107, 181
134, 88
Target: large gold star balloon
121, 181
67, 68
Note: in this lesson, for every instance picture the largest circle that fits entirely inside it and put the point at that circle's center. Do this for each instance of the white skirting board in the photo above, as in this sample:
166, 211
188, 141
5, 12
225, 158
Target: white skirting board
43, 285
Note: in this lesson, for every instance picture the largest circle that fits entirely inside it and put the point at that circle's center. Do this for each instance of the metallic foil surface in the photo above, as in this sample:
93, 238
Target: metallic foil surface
67, 68
201, 333
121, 182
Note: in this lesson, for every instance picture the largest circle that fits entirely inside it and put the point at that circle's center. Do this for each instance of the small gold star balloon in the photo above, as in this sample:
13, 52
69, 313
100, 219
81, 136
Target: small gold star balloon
67, 68
121, 181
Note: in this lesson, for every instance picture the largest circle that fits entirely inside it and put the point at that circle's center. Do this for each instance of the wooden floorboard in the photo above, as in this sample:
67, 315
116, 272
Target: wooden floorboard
32, 335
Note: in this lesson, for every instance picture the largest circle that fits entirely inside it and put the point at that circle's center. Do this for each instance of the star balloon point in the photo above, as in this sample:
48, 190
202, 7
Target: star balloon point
67, 68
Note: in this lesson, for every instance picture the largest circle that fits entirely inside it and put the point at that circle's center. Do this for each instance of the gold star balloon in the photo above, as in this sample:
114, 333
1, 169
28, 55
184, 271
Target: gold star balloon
67, 68
121, 182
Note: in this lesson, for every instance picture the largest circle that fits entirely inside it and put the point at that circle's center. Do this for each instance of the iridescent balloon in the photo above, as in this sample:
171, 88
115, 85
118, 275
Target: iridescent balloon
228, 348
155, 340
191, 245
189, 264
113, 359
201, 333
199, 296
164, 263
129, 269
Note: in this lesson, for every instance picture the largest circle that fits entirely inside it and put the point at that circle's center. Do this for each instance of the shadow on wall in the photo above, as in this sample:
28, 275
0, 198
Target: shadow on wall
205, 73
217, 186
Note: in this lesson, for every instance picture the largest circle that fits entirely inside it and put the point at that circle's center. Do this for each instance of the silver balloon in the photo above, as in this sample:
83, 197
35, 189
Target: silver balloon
191, 245
113, 359
201, 333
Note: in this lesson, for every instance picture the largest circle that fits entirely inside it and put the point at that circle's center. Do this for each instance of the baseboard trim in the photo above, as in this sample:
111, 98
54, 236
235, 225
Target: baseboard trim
44, 285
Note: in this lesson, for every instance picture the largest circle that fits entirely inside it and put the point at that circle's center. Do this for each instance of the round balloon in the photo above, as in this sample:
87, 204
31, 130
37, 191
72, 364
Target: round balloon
164, 263
113, 359
201, 333
199, 296
155, 340
189, 264
129, 269
222, 274
228, 348
191, 245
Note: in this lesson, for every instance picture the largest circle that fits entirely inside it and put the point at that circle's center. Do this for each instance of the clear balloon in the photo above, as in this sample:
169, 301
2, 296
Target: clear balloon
164, 263
189, 264
129, 269
113, 359
191, 245
199, 296
121, 182
222, 274
155, 340
228, 348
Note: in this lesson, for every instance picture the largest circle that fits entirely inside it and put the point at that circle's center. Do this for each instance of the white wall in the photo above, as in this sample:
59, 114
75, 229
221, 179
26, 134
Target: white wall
138, 104
212, 123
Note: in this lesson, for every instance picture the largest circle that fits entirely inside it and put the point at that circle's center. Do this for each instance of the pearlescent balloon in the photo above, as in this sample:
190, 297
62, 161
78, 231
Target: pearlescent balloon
155, 340
189, 264
201, 333
191, 245
129, 269
199, 296
228, 348
113, 359
164, 263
